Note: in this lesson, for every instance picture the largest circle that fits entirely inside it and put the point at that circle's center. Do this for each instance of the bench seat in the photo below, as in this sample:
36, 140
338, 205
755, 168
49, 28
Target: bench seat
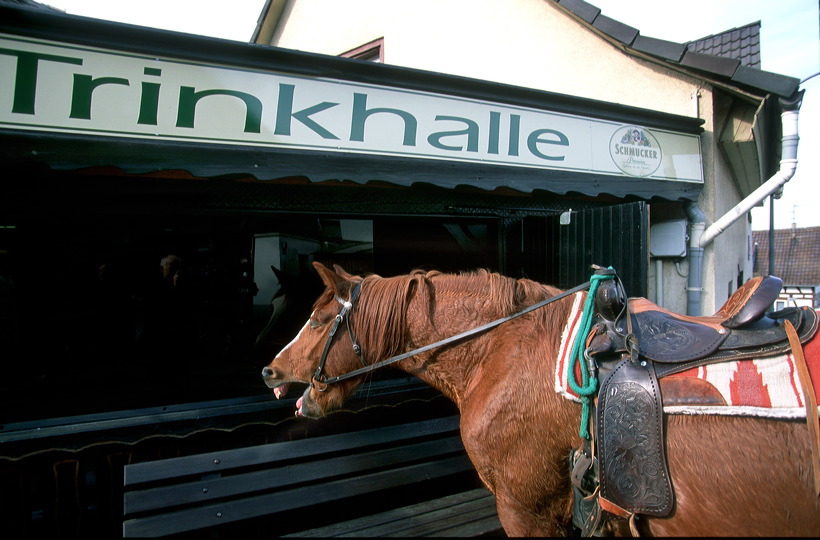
345, 482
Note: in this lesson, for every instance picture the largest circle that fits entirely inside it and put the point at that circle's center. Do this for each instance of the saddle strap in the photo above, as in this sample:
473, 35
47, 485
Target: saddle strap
810, 400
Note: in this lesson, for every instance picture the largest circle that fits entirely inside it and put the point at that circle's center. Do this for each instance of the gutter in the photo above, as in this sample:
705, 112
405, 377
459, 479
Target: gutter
701, 236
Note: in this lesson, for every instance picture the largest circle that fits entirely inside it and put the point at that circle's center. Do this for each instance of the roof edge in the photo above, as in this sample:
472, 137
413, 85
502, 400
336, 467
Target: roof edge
729, 70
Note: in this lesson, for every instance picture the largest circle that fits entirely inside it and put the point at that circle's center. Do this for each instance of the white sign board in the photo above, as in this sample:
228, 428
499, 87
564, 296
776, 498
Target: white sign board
64, 88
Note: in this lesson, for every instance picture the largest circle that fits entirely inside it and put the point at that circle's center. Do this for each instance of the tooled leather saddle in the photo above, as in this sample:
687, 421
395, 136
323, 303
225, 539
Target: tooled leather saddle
633, 345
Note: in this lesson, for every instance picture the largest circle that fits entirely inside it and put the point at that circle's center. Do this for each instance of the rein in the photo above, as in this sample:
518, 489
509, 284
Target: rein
348, 305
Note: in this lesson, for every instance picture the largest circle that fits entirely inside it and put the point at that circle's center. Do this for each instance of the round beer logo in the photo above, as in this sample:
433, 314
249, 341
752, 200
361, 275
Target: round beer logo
635, 151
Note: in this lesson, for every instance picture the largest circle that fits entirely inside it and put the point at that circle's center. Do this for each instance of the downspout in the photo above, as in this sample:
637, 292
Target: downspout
700, 238
698, 220
788, 164
695, 285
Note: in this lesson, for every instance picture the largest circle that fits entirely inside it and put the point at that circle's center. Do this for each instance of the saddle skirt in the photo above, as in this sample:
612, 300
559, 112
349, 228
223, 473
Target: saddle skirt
763, 387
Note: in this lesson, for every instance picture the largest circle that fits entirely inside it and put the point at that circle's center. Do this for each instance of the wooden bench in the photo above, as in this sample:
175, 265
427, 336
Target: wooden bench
405, 480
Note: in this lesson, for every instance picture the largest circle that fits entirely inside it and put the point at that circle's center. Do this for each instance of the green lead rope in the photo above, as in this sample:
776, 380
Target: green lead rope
589, 384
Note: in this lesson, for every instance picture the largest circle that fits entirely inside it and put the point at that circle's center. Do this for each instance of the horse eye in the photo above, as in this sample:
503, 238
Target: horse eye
314, 324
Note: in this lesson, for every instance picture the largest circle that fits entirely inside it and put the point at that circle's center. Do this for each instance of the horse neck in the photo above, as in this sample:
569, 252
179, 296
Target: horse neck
443, 305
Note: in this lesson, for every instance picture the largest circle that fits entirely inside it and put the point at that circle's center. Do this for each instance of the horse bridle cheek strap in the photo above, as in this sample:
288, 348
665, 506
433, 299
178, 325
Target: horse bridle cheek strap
343, 315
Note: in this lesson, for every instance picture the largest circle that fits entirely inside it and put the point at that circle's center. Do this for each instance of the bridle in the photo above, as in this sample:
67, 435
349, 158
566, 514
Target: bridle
344, 316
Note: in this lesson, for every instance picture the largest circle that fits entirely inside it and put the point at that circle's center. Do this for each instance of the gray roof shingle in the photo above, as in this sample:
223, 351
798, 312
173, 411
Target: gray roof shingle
738, 43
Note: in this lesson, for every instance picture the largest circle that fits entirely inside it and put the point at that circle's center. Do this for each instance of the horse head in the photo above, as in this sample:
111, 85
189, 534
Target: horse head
318, 342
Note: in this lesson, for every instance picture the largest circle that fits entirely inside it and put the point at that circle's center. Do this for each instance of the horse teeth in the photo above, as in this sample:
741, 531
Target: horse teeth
281, 390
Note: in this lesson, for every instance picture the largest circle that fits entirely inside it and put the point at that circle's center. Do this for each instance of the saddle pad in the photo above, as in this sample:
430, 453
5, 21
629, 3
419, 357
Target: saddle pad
765, 387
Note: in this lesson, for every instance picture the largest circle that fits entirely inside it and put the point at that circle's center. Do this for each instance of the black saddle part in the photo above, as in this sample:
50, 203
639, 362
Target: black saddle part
768, 329
632, 459
665, 338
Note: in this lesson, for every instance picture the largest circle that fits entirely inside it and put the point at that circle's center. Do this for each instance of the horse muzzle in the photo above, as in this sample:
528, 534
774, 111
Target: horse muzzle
271, 377
275, 381
307, 407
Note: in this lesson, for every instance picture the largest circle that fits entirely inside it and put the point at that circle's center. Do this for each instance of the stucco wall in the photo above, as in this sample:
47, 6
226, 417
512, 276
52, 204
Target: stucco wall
534, 43
530, 43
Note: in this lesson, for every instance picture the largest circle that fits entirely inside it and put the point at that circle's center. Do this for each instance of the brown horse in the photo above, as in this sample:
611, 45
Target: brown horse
732, 475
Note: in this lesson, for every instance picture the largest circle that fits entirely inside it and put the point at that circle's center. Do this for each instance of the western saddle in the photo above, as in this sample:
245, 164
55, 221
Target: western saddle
633, 345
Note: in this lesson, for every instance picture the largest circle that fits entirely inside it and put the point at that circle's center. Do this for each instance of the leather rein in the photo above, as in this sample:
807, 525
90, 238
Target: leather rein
344, 316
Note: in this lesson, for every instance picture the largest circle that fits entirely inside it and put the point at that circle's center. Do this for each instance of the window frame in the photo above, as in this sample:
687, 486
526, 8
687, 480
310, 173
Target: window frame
367, 52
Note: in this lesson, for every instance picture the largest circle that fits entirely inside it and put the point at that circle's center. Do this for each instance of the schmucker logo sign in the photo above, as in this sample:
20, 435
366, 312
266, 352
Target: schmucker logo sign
66, 88
635, 151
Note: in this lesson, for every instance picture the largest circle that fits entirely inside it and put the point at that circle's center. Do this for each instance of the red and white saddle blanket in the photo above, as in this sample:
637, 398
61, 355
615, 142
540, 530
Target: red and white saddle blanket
767, 387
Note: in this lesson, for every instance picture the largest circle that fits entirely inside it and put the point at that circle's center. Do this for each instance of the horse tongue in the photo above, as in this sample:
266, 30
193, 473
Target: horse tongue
299, 405
280, 391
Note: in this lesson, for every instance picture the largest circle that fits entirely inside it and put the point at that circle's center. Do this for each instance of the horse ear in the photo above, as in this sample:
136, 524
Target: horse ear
331, 279
341, 272
278, 273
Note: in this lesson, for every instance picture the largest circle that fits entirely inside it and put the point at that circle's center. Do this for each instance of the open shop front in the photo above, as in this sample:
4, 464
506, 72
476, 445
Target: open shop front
123, 146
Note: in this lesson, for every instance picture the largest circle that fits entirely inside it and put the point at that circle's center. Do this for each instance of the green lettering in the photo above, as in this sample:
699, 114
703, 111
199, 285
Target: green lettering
149, 99
495, 124
471, 131
515, 126
284, 112
535, 138
362, 113
84, 86
189, 97
25, 80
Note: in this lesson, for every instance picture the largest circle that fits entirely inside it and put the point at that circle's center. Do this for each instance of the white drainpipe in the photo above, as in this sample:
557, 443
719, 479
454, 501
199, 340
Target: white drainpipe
788, 164
699, 238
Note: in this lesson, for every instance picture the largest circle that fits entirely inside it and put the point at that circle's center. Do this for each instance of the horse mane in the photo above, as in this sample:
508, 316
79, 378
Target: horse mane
380, 318
381, 315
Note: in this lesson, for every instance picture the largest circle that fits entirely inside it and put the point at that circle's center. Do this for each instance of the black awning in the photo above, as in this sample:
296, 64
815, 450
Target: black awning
134, 156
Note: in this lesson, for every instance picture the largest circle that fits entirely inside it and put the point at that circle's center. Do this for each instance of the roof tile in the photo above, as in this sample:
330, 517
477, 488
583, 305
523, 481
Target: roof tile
713, 64
781, 85
616, 29
796, 255
668, 50
585, 10
738, 43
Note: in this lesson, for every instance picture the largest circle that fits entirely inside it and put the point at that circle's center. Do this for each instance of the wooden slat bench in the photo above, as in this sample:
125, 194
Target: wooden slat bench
389, 481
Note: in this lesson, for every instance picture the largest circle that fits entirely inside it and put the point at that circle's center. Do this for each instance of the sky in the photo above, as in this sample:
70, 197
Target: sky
790, 45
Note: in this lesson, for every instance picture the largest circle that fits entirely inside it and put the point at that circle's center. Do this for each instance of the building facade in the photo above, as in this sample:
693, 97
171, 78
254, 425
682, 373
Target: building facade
572, 48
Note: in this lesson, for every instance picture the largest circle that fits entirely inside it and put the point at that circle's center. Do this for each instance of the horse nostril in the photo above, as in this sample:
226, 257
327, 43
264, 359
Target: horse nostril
267, 372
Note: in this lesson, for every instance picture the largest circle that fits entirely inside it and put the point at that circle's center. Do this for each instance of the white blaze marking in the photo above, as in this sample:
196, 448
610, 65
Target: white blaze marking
294, 340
